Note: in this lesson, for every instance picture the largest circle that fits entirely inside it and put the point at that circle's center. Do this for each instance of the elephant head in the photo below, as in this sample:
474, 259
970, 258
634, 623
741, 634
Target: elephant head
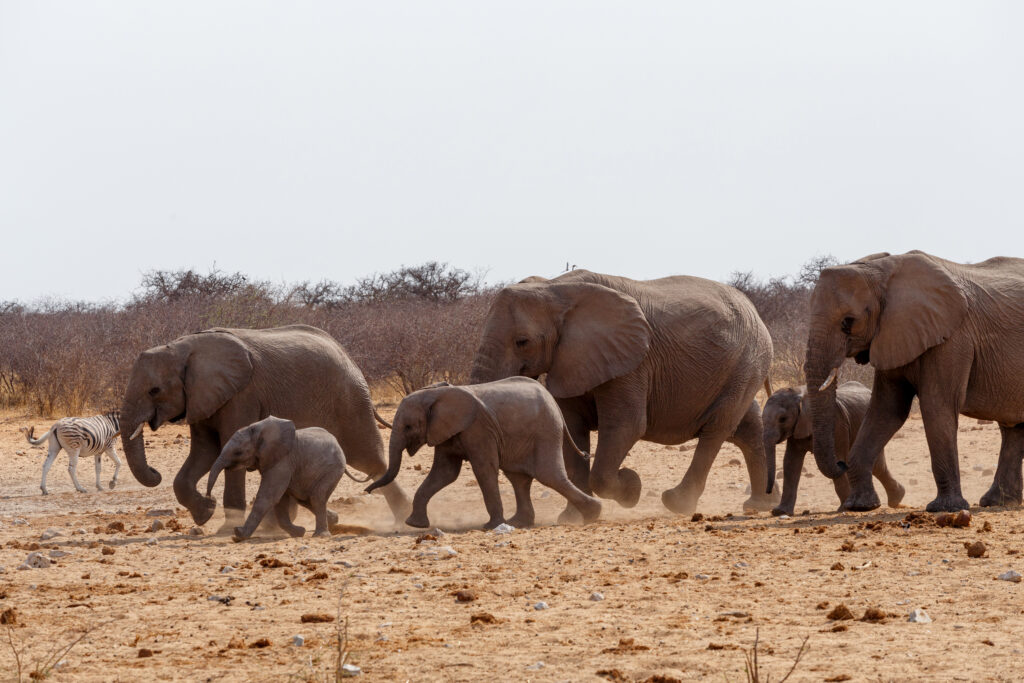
188, 379
884, 310
260, 446
785, 415
581, 334
431, 417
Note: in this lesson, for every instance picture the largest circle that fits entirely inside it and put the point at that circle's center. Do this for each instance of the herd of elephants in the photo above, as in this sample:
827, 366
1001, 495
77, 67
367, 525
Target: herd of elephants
665, 361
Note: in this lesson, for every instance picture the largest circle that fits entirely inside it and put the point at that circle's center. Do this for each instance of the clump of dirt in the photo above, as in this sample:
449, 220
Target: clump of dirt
625, 646
349, 530
613, 675
483, 618
985, 528
144, 652
873, 615
840, 613
9, 617
236, 643
115, 527
316, 618
464, 596
837, 567
720, 646
259, 643
317, 576
917, 520
697, 517
848, 546
173, 524
959, 519
423, 538
976, 549
273, 563
107, 550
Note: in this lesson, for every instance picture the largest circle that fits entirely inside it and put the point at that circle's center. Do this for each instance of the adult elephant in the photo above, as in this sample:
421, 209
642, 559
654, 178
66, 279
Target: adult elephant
658, 360
221, 380
948, 333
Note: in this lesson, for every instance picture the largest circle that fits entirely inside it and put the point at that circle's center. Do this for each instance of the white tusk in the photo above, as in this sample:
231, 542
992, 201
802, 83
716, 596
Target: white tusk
138, 430
830, 379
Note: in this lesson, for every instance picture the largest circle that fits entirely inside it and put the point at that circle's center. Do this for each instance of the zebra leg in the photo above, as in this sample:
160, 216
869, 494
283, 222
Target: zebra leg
112, 452
73, 467
98, 466
47, 464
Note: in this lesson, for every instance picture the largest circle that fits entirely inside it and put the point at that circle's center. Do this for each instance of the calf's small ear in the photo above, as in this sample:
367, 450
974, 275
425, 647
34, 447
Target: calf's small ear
803, 427
275, 439
453, 411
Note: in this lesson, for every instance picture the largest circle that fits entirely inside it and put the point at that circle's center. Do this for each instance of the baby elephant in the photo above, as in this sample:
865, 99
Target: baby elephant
512, 425
296, 465
787, 417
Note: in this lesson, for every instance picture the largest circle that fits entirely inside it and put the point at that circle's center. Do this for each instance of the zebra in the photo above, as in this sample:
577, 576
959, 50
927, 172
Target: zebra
81, 436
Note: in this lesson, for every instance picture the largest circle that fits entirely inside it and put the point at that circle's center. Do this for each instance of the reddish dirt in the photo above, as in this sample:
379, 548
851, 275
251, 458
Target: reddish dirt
682, 599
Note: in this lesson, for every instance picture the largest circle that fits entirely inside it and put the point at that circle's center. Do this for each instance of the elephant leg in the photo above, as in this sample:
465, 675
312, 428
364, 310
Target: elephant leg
941, 419
234, 496
577, 468
622, 425
203, 451
792, 466
360, 440
485, 469
443, 472
273, 486
683, 498
283, 511
886, 413
748, 437
894, 491
521, 483
585, 506
1006, 488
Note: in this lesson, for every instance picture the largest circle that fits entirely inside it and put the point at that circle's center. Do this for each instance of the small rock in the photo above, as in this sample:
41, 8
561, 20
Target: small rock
79, 532
348, 564
107, 550
1010, 575
144, 652
447, 550
741, 565
36, 561
784, 517
18, 521
503, 528
151, 541
837, 567
465, 596
535, 667
19, 452
351, 669
919, 616
873, 615
596, 597
976, 549
735, 462
160, 512
840, 613
115, 527
701, 577
48, 534
195, 531
157, 525
439, 533
540, 606
227, 570
298, 641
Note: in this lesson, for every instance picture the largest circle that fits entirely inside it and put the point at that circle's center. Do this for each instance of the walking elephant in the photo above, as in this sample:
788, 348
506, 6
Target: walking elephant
221, 380
948, 333
659, 360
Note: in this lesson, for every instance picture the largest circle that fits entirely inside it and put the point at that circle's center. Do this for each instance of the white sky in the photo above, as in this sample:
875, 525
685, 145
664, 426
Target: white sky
302, 140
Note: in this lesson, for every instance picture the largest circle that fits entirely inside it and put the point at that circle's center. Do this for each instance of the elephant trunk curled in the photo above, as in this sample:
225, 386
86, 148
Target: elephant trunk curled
215, 471
818, 368
135, 454
395, 448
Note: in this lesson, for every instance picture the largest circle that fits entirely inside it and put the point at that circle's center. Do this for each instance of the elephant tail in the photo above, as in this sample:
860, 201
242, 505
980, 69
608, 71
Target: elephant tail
351, 476
381, 420
567, 437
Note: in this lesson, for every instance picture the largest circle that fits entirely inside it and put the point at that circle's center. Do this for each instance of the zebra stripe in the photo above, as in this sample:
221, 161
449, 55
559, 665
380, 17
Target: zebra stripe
92, 435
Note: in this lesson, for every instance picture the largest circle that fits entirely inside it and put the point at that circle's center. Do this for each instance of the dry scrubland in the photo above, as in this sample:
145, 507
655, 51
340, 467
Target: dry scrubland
682, 599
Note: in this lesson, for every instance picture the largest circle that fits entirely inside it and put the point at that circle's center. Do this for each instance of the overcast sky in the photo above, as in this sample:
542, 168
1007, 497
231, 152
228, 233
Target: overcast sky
302, 140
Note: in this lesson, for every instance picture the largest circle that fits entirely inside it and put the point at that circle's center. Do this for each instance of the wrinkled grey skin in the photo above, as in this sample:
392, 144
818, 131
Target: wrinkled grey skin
296, 466
950, 334
221, 380
512, 425
664, 361
787, 418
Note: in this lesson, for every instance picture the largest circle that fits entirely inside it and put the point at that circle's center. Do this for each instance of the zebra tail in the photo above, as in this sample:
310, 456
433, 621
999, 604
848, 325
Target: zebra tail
36, 442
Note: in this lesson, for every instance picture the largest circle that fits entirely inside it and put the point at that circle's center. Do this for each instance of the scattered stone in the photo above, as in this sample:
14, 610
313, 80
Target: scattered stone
157, 525
348, 564
701, 577
227, 570
107, 550
535, 667
540, 606
741, 565
48, 534
976, 549
465, 596
447, 551
298, 641
198, 531
483, 618
160, 512
503, 528
596, 597
848, 546
840, 613
151, 541
873, 615
18, 521
837, 567
115, 527
273, 563
424, 538
919, 616
985, 528
79, 532
1010, 575
222, 599
316, 618
144, 652
19, 452
351, 669
438, 532
36, 561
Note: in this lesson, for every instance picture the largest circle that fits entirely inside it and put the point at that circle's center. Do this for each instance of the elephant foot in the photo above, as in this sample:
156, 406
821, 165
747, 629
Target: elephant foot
996, 496
895, 497
628, 494
322, 533
947, 503
521, 521
240, 534
202, 513
679, 502
780, 510
492, 523
418, 521
862, 501
761, 503
300, 531
570, 515
590, 510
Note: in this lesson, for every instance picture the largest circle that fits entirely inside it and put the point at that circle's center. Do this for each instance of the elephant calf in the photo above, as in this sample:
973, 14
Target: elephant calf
296, 466
512, 425
787, 417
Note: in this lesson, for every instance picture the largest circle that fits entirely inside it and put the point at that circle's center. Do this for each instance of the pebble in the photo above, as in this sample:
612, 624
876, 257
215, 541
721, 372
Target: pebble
195, 531
784, 517
79, 532
351, 669
701, 577
19, 452
540, 606
596, 597
157, 525
349, 564
48, 534
18, 521
501, 544
151, 541
535, 667
38, 561
227, 570
919, 616
503, 529
439, 533
1010, 575
741, 565
298, 641
448, 551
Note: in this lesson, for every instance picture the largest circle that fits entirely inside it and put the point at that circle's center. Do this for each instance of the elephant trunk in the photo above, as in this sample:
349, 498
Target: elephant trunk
395, 448
135, 453
771, 439
219, 464
820, 367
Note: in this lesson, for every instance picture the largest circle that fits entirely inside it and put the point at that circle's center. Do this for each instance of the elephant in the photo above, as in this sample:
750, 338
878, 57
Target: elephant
221, 380
787, 417
296, 466
948, 333
512, 425
661, 360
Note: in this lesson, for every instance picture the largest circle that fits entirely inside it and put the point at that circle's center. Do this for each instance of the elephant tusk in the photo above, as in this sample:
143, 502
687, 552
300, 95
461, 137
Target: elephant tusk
138, 430
830, 379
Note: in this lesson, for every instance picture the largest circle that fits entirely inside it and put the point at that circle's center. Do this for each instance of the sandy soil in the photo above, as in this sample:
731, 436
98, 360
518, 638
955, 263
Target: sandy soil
682, 599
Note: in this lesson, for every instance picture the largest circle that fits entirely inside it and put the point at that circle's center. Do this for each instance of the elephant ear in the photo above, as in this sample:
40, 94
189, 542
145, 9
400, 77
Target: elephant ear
452, 411
218, 367
275, 440
603, 335
923, 305
804, 424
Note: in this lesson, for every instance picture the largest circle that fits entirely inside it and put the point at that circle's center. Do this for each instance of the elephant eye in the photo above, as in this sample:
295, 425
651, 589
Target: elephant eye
521, 342
847, 325
154, 391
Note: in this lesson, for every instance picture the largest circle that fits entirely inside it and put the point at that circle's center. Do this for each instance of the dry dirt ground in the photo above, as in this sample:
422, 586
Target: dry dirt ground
682, 599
